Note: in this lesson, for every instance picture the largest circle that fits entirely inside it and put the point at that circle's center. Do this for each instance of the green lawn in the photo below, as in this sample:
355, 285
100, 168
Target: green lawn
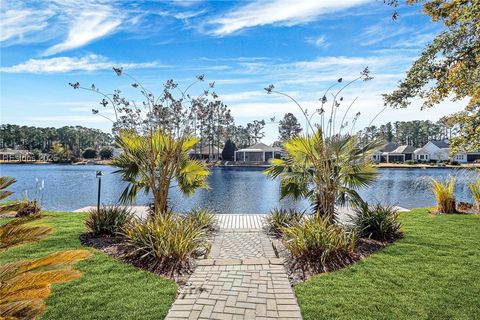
108, 289
433, 273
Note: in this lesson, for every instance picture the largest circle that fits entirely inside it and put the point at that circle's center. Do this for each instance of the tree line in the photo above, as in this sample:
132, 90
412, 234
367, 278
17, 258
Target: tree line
76, 139
416, 132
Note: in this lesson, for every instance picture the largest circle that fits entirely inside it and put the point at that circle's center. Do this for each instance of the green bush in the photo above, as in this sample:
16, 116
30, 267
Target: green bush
109, 220
318, 244
281, 218
169, 242
410, 162
106, 153
89, 153
377, 221
475, 189
202, 218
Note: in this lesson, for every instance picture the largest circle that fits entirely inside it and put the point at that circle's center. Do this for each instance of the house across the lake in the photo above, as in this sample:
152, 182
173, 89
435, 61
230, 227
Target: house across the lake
259, 152
432, 151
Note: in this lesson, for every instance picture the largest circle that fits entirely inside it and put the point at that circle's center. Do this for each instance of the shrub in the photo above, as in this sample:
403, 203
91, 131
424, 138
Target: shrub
28, 208
169, 242
281, 218
89, 153
202, 218
475, 189
410, 162
106, 153
454, 163
377, 221
444, 193
109, 220
319, 244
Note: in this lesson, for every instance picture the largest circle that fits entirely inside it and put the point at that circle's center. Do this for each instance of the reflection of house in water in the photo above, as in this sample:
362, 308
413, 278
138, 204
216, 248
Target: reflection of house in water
259, 152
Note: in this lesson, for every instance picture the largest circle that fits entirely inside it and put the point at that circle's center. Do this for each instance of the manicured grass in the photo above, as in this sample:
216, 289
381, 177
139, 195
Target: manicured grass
433, 273
108, 289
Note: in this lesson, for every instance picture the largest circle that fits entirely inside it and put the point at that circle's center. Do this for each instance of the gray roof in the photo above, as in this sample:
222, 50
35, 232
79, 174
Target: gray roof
440, 144
404, 149
260, 147
388, 147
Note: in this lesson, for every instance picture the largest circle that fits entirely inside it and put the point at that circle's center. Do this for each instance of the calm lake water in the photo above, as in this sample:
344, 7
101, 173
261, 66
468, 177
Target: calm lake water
232, 190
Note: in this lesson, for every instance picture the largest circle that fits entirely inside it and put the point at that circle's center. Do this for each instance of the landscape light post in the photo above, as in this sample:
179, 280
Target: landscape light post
99, 175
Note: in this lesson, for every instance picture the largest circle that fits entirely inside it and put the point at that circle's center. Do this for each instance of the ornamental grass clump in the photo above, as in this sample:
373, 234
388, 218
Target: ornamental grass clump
202, 218
445, 195
109, 220
475, 189
167, 243
282, 218
319, 244
377, 221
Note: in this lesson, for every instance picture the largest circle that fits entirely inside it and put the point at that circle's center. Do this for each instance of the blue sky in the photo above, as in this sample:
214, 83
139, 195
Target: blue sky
300, 46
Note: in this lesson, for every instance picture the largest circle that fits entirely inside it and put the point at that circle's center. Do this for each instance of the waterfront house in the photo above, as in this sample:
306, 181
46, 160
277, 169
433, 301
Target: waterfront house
208, 152
438, 150
401, 154
380, 155
421, 155
259, 152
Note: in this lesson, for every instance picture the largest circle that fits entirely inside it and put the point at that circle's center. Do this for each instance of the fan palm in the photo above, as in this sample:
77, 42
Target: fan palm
151, 163
325, 170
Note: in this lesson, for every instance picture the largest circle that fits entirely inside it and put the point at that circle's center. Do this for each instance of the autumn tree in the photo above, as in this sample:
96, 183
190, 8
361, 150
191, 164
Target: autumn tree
289, 127
448, 67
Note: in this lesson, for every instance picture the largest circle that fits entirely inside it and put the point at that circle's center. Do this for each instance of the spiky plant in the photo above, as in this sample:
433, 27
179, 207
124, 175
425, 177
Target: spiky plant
6, 182
377, 221
16, 232
319, 244
109, 220
475, 189
25, 284
444, 192
167, 242
282, 218
203, 218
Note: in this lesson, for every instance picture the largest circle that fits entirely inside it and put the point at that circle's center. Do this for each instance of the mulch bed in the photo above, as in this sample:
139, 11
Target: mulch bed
296, 274
118, 249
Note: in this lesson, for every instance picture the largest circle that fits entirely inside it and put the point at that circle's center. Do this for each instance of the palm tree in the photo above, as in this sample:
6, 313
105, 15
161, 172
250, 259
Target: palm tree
327, 171
151, 162
328, 166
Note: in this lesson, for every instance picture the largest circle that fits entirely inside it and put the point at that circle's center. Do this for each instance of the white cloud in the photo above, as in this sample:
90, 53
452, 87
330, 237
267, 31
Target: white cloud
320, 42
282, 12
18, 22
90, 62
89, 25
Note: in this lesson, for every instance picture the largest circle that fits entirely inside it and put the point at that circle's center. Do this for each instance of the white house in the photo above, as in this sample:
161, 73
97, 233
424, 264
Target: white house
420, 154
259, 152
438, 150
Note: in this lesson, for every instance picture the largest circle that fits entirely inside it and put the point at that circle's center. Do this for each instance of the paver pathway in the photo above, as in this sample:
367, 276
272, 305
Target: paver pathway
241, 279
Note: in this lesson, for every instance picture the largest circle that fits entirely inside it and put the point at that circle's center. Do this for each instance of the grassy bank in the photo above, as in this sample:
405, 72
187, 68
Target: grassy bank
433, 273
108, 289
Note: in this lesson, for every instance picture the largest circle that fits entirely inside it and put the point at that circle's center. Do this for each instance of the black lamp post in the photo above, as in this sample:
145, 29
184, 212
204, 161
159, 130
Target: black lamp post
99, 175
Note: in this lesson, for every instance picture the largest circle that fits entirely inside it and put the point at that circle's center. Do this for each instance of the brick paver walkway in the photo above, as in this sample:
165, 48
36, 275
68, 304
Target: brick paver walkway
241, 279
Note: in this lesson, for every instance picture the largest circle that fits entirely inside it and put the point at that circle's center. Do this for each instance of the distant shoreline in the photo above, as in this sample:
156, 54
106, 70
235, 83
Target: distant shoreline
379, 165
